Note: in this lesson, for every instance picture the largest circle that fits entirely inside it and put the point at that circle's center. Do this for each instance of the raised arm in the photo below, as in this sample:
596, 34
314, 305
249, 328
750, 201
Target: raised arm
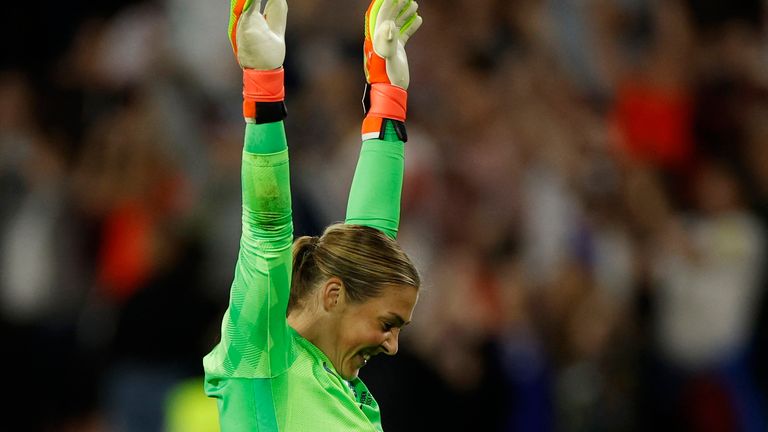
254, 334
374, 199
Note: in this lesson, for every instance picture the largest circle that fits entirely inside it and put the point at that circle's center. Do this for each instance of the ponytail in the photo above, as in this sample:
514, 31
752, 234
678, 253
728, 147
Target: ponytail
304, 268
366, 260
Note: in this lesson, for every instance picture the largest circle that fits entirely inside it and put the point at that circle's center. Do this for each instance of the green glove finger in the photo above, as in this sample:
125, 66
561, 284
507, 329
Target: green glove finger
405, 13
410, 26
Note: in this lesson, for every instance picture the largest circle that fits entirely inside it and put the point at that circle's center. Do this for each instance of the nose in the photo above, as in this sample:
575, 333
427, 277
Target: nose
390, 344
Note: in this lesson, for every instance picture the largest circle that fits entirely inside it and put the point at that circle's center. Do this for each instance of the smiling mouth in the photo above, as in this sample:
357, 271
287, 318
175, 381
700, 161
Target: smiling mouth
364, 357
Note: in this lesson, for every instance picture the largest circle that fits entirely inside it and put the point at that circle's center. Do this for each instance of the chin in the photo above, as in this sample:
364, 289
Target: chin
351, 375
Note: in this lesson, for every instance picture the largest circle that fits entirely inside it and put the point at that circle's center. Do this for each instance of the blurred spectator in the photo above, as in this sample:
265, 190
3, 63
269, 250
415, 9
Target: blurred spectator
708, 271
43, 276
586, 196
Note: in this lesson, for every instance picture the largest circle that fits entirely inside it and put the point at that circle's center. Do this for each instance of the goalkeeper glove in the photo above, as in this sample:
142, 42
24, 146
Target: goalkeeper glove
259, 45
389, 24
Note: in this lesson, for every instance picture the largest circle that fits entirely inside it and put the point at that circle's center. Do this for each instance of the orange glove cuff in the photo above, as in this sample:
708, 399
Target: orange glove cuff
384, 101
263, 86
388, 101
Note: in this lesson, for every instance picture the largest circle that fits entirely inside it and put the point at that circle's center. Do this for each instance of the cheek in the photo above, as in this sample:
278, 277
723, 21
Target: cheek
361, 334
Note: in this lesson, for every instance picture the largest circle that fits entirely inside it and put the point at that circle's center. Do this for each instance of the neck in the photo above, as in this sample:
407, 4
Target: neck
306, 324
316, 328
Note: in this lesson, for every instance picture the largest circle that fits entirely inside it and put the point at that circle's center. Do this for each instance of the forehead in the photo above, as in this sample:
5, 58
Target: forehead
397, 299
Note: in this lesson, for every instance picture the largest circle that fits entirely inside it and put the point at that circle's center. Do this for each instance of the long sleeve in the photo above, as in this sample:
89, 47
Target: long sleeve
255, 339
374, 199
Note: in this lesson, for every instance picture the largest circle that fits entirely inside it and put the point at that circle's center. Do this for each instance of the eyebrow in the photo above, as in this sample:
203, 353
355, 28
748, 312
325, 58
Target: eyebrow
399, 321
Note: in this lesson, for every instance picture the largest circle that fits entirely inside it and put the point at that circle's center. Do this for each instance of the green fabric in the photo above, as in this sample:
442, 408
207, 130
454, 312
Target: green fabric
374, 199
263, 375
389, 131
265, 138
254, 333
244, 404
309, 396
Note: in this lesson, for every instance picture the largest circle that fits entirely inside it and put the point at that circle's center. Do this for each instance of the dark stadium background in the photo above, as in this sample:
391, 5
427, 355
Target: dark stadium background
586, 196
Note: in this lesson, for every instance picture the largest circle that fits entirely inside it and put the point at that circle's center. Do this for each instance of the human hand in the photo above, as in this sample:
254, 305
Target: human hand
258, 39
389, 24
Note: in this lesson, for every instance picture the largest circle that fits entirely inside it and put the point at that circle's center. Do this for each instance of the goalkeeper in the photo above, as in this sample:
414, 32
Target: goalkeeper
305, 316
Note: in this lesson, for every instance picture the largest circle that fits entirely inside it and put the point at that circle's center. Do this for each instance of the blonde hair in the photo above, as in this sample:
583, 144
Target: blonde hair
364, 259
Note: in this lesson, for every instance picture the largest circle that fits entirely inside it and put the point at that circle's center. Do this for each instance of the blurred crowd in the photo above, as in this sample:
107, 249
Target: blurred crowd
586, 196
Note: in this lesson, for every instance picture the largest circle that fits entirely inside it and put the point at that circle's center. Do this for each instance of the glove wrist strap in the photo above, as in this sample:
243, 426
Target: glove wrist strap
384, 102
263, 86
263, 95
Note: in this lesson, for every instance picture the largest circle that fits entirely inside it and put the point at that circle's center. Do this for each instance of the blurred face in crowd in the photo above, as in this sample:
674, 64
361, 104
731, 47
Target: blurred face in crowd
717, 189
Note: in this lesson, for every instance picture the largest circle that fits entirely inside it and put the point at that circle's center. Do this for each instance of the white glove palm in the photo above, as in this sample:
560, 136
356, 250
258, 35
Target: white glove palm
389, 24
259, 40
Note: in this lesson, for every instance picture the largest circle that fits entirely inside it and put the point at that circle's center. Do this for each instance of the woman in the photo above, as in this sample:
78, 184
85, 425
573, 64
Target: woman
302, 321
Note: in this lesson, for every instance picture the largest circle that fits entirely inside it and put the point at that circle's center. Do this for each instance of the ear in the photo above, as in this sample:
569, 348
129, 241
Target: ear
332, 293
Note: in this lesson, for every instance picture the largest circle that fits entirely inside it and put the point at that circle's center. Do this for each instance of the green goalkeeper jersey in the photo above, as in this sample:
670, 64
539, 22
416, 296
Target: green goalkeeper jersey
263, 374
